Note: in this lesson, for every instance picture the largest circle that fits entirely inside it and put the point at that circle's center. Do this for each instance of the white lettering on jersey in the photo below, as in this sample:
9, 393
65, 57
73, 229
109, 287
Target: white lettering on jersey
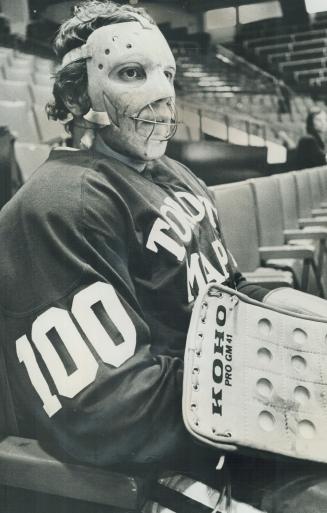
200, 271
60, 323
158, 237
86, 366
106, 348
180, 218
25, 353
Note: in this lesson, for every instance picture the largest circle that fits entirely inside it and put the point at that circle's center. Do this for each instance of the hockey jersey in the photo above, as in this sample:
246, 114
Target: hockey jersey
99, 268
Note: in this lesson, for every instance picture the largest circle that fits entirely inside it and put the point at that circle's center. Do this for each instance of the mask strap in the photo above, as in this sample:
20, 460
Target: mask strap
84, 51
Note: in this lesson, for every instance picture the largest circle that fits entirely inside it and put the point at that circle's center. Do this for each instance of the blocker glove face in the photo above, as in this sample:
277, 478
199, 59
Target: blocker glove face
255, 376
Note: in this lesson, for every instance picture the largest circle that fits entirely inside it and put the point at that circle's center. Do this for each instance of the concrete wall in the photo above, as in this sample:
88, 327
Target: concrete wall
221, 23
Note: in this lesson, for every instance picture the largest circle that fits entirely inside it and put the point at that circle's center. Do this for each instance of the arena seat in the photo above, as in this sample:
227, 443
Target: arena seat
316, 192
17, 74
42, 78
41, 94
25, 464
291, 216
305, 203
237, 213
50, 132
18, 62
300, 258
323, 184
20, 120
12, 90
10, 176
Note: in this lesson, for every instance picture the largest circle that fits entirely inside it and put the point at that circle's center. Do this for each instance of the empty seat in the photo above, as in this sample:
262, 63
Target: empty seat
317, 195
19, 118
12, 90
18, 74
305, 201
43, 78
50, 131
21, 63
270, 221
41, 94
237, 214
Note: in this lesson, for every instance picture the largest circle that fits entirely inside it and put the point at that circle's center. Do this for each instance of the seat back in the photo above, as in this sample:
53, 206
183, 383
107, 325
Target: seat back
22, 63
41, 94
323, 181
316, 192
303, 192
44, 65
18, 74
237, 215
42, 78
269, 211
12, 90
50, 131
286, 185
20, 121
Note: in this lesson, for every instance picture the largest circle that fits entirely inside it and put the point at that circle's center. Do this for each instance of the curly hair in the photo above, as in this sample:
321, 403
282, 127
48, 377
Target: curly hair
71, 80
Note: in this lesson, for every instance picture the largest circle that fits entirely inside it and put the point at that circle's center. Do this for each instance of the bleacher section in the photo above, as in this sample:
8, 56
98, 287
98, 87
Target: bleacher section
25, 88
224, 96
296, 53
220, 95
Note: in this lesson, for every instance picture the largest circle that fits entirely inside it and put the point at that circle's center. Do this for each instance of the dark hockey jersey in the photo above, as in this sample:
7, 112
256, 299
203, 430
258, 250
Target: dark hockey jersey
99, 268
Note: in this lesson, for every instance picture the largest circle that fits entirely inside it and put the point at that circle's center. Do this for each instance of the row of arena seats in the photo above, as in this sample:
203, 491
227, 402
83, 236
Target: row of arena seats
246, 210
25, 88
298, 55
286, 244
227, 84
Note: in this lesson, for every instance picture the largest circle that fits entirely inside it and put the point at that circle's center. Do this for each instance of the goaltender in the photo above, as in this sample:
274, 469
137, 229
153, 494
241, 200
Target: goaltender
105, 250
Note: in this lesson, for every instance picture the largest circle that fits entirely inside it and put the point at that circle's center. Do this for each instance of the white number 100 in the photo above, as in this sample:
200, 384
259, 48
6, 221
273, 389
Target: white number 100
69, 385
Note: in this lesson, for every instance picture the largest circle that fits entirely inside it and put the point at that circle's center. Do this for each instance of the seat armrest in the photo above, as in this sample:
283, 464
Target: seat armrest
319, 212
312, 221
315, 233
24, 464
286, 251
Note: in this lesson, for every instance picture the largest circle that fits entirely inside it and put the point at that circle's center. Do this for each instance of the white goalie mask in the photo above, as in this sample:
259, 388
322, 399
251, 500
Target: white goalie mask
130, 71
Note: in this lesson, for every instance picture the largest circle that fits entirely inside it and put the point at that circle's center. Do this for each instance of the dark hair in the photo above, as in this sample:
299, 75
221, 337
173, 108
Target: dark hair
71, 80
310, 121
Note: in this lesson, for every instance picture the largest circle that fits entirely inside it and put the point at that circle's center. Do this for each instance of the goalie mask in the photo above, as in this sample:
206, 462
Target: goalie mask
130, 71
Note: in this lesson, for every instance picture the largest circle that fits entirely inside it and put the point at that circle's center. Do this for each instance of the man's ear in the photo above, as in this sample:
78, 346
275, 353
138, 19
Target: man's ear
77, 106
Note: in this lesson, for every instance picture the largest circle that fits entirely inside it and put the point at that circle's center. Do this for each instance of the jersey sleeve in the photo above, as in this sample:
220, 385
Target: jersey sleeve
84, 370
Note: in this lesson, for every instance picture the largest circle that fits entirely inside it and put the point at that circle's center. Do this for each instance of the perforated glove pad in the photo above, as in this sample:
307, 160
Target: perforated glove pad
255, 376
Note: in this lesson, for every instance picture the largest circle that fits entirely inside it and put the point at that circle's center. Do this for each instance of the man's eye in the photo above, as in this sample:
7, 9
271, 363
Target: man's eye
132, 74
169, 75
